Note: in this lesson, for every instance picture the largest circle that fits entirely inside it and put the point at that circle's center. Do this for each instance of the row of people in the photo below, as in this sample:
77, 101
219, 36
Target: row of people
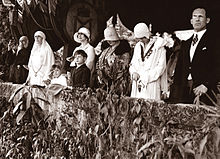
197, 69
143, 75
14, 61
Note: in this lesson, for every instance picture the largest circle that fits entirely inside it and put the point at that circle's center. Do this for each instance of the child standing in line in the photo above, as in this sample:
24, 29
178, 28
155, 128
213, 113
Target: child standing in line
80, 74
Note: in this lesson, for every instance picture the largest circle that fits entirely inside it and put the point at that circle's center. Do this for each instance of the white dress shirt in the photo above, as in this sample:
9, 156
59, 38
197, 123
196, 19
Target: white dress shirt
193, 47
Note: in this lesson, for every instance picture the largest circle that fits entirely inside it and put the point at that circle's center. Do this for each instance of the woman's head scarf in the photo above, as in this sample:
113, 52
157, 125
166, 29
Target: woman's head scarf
44, 50
25, 38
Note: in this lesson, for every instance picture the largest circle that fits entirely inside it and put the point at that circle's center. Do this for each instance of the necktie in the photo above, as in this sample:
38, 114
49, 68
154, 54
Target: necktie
195, 39
142, 53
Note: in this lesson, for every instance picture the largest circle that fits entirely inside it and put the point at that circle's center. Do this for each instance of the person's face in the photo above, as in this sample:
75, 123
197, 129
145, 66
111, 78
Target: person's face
56, 72
79, 59
112, 43
23, 42
82, 37
143, 40
199, 19
38, 39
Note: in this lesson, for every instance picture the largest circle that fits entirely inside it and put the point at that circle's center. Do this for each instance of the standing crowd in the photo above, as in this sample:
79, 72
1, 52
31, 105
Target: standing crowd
141, 72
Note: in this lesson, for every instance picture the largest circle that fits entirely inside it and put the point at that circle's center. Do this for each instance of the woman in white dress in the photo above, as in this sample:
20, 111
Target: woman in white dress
41, 60
147, 67
83, 37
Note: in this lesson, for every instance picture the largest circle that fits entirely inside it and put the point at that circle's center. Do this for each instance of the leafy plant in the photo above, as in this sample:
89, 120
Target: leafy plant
86, 124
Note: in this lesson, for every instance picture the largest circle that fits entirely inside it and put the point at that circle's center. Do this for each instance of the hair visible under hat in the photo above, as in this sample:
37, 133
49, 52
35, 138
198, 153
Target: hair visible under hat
80, 52
83, 31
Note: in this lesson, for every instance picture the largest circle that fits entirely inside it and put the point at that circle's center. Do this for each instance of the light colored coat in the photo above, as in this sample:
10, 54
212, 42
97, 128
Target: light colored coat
150, 83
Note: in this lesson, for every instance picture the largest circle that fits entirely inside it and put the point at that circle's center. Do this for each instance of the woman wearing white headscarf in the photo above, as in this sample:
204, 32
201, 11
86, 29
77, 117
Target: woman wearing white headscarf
41, 60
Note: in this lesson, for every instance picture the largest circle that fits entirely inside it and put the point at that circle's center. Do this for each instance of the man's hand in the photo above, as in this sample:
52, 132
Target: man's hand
135, 76
201, 89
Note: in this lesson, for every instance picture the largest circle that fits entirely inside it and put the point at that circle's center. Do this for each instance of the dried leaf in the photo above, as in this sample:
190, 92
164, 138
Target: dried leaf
170, 152
44, 100
217, 139
20, 116
202, 145
98, 156
138, 108
17, 107
181, 149
28, 100
96, 129
144, 136
9, 153
146, 145
4, 115
15, 92
137, 120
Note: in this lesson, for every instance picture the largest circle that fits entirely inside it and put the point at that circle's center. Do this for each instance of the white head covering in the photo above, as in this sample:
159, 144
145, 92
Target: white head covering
110, 34
20, 44
141, 30
41, 60
84, 31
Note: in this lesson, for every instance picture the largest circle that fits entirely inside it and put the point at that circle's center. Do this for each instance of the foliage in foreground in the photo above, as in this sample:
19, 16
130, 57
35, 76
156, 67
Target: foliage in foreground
105, 126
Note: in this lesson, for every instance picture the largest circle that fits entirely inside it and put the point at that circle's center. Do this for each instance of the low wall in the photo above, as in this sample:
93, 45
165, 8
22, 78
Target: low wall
99, 125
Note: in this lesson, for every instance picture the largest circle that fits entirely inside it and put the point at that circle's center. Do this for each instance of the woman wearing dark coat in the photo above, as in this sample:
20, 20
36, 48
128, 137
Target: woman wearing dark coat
113, 63
19, 71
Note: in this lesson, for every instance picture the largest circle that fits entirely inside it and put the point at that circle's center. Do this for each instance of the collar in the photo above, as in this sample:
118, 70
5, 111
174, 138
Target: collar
80, 65
84, 47
200, 33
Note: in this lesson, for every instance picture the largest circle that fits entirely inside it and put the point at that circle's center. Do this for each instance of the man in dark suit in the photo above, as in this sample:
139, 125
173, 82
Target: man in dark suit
195, 70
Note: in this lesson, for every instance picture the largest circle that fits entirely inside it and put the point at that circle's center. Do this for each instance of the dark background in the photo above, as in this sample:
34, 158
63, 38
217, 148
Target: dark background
164, 15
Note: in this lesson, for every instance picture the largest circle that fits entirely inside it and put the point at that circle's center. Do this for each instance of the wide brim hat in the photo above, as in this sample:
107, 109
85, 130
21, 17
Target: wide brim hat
110, 34
84, 31
141, 30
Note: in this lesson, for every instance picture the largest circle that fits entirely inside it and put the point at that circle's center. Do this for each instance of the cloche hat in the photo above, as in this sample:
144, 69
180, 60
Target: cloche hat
84, 31
141, 30
110, 34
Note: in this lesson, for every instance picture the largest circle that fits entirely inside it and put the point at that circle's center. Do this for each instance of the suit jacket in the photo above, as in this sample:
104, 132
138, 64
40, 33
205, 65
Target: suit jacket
80, 76
201, 68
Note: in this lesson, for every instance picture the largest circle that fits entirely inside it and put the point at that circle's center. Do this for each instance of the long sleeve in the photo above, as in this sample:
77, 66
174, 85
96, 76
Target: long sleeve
48, 61
133, 68
157, 68
91, 58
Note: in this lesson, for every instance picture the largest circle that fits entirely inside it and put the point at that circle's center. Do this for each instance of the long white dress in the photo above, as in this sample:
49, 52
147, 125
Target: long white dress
150, 84
40, 63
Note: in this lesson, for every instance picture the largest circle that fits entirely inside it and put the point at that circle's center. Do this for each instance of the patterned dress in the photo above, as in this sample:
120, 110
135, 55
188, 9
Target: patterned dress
113, 68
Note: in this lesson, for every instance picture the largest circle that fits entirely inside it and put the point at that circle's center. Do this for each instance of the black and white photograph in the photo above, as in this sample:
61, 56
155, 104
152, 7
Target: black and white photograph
109, 79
